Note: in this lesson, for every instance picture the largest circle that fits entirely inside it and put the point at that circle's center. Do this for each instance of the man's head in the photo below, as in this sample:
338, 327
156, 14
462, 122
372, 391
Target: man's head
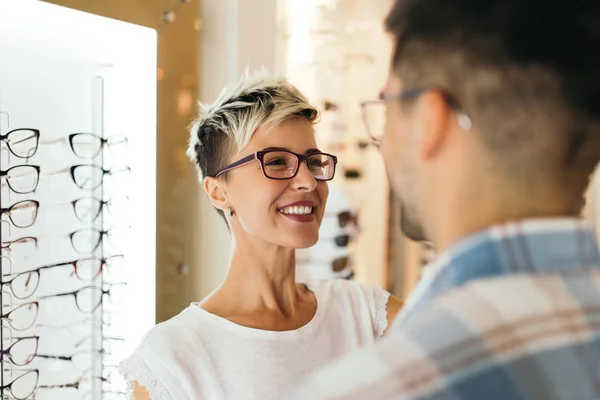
493, 107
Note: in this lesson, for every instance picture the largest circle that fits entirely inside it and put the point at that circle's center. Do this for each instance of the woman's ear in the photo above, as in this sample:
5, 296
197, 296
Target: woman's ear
216, 191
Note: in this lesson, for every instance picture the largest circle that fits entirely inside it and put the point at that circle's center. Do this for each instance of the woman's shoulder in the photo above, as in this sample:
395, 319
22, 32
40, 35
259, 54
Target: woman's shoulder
357, 300
172, 330
348, 288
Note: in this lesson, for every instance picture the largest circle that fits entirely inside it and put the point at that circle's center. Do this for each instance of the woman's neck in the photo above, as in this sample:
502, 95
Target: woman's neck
262, 278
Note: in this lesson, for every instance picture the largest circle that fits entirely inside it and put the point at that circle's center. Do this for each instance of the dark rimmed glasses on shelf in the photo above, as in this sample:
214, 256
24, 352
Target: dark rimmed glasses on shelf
85, 241
22, 317
89, 298
23, 386
281, 164
345, 218
22, 214
24, 284
22, 179
28, 243
23, 142
22, 351
338, 264
88, 145
90, 177
87, 209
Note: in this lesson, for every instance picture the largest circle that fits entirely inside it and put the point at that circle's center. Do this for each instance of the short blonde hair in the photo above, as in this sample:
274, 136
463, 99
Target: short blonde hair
227, 125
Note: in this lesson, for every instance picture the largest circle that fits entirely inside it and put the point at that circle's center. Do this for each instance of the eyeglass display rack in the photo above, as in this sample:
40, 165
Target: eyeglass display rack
61, 265
77, 121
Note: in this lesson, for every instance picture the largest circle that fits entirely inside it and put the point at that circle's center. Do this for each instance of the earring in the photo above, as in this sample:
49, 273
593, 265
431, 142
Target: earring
231, 212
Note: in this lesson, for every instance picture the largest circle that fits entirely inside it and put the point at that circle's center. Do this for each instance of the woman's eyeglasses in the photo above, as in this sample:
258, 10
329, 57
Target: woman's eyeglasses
22, 179
22, 143
284, 164
23, 386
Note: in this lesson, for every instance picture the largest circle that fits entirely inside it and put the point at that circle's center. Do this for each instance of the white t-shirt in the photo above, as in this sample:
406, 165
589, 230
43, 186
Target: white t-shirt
198, 355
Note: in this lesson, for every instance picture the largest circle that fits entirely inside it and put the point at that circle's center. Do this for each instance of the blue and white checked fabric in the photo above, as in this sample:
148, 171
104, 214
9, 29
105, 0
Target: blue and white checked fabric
512, 313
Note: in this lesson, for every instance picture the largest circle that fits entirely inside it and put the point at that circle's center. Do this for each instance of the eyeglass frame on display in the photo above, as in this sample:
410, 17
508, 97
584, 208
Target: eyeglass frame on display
76, 292
36, 132
4, 175
9, 386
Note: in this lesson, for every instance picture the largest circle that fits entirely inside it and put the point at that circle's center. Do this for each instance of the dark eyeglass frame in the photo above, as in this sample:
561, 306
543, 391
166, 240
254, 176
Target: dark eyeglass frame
34, 203
105, 172
101, 234
9, 386
101, 204
108, 141
74, 293
9, 355
260, 155
4, 174
9, 283
36, 135
345, 218
406, 95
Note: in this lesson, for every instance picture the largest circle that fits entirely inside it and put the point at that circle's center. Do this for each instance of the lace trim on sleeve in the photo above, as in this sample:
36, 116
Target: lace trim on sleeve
380, 319
135, 368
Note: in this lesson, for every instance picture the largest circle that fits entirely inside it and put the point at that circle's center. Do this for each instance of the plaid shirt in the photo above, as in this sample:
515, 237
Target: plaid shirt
512, 313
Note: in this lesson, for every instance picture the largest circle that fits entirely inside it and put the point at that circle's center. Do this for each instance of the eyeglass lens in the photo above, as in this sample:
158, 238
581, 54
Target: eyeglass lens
282, 165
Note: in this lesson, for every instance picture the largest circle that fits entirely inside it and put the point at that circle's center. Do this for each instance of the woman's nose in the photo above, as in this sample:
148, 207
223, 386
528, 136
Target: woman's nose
304, 179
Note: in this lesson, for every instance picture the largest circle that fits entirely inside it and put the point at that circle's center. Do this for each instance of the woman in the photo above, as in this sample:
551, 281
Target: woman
260, 331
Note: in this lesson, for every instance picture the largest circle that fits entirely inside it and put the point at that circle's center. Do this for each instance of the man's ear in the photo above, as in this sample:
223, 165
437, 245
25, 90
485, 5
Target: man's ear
436, 116
216, 192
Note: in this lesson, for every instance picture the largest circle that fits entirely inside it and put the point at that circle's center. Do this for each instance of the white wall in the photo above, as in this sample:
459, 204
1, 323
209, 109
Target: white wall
235, 34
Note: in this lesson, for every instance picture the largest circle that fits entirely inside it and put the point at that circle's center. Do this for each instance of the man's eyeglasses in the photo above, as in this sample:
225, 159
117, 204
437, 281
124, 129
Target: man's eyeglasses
22, 143
22, 179
284, 164
374, 112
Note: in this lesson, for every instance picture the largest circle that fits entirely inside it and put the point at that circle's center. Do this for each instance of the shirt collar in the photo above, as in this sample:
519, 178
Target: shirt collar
528, 247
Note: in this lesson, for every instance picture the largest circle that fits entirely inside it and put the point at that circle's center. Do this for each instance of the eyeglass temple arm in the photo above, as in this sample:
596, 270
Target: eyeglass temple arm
238, 163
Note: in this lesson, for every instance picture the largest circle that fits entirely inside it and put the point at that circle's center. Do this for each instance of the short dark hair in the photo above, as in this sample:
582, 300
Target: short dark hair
526, 71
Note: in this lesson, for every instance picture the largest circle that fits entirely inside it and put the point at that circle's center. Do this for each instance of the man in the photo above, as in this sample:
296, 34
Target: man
492, 132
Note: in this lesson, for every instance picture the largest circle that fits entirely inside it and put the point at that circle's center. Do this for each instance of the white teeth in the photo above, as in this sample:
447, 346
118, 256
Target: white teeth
298, 210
